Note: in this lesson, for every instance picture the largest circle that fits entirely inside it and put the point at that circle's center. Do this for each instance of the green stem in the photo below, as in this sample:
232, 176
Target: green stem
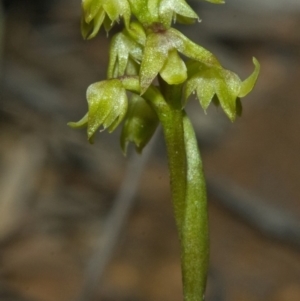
187, 185
170, 116
188, 193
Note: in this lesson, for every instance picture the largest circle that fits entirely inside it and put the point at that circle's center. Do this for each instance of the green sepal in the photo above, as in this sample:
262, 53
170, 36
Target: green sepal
190, 49
136, 32
116, 9
155, 55
185, 20
152, 6
170, 9
90, 30
90, 8
146, 11
121, 48
140, 124
249, 83
107, 102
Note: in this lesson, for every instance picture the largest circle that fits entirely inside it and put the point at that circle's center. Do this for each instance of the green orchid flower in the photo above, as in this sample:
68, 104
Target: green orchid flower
107, 102
226, 85
161, 56
98, 12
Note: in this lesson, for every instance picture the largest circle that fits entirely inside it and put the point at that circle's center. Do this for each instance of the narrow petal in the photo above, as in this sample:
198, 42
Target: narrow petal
227, 88
91, 8
249, 83
112, 8
90, 30
190, 49
140, 8
137, 32
82, 123
205, 92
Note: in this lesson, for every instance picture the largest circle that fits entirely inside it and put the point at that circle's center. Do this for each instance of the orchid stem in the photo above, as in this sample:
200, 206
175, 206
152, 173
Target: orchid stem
188, 191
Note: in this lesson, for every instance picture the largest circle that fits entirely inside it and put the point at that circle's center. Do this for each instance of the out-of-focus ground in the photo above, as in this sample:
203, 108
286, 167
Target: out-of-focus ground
57, 191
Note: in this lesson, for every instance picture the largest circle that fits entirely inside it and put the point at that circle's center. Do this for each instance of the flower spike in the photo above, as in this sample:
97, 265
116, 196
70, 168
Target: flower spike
146, 48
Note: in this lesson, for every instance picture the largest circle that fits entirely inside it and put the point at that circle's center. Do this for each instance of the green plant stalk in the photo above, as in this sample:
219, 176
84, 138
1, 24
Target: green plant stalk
189, 201
188, 194
172, 123
170, 114
187, 184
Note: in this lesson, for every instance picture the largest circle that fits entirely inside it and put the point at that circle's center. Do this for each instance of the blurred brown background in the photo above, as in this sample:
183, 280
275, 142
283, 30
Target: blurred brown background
83, 223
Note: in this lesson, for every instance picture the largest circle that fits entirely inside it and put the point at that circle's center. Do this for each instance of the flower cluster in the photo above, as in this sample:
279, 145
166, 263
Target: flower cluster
148, 47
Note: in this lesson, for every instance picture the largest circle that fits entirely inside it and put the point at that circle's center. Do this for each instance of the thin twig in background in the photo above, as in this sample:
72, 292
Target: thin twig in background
113, 227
